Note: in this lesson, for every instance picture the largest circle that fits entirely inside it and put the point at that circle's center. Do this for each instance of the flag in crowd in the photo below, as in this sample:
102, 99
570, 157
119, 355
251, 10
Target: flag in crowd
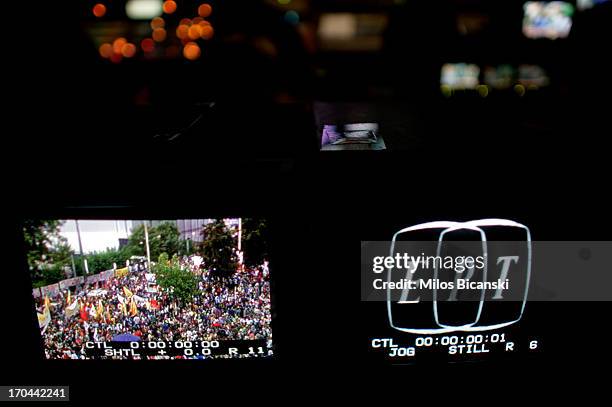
236, 307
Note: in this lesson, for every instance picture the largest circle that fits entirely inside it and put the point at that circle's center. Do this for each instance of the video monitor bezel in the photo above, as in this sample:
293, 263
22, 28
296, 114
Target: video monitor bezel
140, 213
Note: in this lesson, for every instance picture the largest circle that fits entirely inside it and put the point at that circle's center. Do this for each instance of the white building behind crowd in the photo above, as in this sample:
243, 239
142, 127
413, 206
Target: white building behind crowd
100, 235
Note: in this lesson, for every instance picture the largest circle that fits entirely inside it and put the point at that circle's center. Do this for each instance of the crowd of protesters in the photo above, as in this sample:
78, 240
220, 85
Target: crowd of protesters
235, 307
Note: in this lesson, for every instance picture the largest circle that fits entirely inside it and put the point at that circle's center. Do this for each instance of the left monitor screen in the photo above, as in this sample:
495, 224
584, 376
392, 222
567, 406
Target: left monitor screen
150, 289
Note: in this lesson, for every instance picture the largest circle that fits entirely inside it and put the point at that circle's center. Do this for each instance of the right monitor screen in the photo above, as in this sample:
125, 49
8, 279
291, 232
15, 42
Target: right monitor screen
547, 19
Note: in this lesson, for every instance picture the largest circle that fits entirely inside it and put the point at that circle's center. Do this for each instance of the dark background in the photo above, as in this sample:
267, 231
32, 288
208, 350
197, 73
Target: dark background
82, 135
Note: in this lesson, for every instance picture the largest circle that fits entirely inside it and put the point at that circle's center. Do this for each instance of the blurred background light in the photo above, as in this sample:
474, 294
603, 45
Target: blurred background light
116, 58
143, 9
446, 90
206, 30
470, 23
354, 50
550, 20
460, 76
118, 45
194, 32
191, 51
532, 76
159, 34
157, 22
343, 31
519, 89
128, 50
338, 26
204, 10
483, 90
99, 10
182, 31
106, 50
292, 17
169, 7
499, 77
586, 4
147, 45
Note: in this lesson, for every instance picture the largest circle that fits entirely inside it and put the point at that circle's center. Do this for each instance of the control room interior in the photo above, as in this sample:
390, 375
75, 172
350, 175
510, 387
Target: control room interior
457, 73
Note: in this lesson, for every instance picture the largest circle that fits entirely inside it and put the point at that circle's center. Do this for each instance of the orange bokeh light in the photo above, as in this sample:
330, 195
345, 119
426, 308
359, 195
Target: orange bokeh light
169, 7
128, 50
159, 34
182, 31
157, 22
106, 50
118, 45
195, 31
99, 10
206, 31
204, 10
191, 51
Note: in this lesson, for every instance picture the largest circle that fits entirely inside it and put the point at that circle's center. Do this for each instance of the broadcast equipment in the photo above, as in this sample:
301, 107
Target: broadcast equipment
150, 289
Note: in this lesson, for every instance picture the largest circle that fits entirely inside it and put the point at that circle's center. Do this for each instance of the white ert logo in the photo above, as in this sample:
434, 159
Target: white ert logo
446, 227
